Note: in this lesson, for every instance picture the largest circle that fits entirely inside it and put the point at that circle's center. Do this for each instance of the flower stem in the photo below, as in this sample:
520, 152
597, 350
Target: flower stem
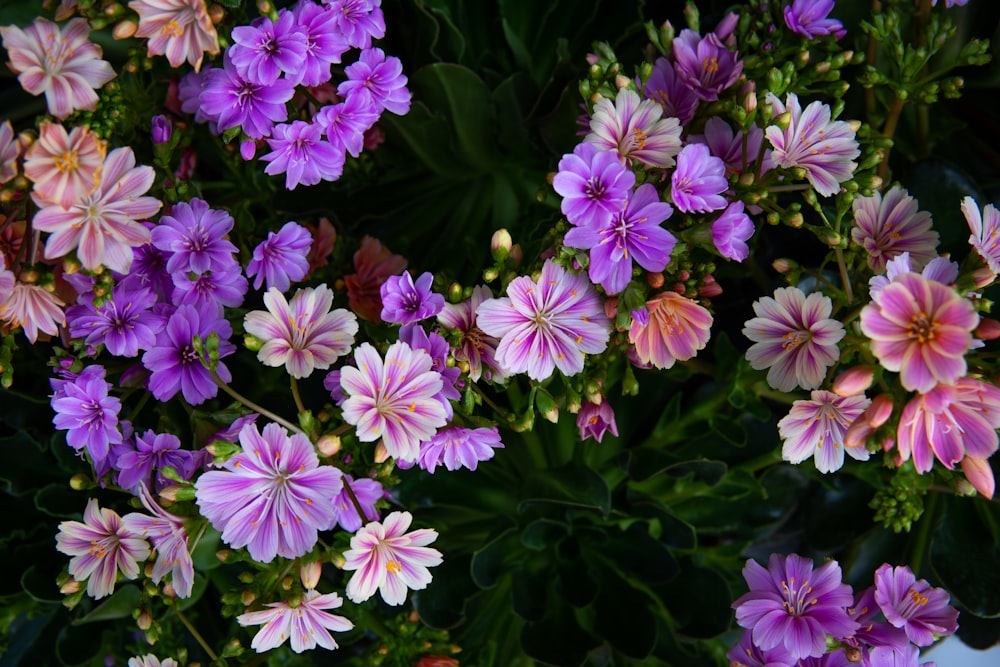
843, 275
891, 121
253, 406
297, 396
356, 503
489, 402
196, 634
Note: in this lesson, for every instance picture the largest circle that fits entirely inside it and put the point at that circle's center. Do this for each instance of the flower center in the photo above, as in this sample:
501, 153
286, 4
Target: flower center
922, 328
794, 339
711, 64
636, 141
68, 161
797, 600
394, 567
594, 188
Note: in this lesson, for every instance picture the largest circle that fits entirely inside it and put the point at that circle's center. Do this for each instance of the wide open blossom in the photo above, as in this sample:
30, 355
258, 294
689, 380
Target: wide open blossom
671, 92
459, 447
283, 258
367, 492
65, 167
437, 347
306, 625
475, 347
635, 130
388, 559
170, 540
103, 227
233, 101
676, 329
547, 324
324, 44
920, 329
195, 235
345, 124
265, 50
61, 62
299, 151
153, 452
810, 18
88, 414
405, 301
889, 226
380, 79
594, 185
360, 21
698, 181
790, 604
705, 64
302, 335
33, 309
124, 324
271, 498
824, 147
922, 611
794, 338
985, 228
816, 428
101, 546
179, 29
731, 231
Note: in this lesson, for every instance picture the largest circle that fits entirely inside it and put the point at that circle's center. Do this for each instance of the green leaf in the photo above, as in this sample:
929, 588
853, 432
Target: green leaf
698, 600
59, 500
964, 555
119, 605
40, 586
623, 618
543, 534
570, 486
558, 639
488, 563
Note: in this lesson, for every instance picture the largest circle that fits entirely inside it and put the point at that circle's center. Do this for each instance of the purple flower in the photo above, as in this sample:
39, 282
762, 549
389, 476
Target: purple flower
886, 656
161, 129
324, 44
809, 18
264, 50
666, 88
475, 347
281, 259
913, 605
635, 130
174, 363
123, 323
872, 632
298, 151
837, 658
305, 625
594, 185
232, 101
170, 540
195, 234
368, 492
101, 546
792, 605
359, 21
546, 324
985, 228
459, 448
90, 417
345, 124
189, 94
705, 64
379, 77
148, 271
746, 654
273, 497
214, 290
816, 428
154, 451
698, 181
940, 269
633, 233
726, 145
405, 301
596, 419
436, 346
887, 227
730, 232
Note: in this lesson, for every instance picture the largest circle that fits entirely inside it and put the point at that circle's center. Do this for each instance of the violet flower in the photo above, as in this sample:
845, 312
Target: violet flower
437, 347
405, 301
324, 44
596, 419
345, 124
222, 286
359, 21
922, 611
730, 232
88, 414
305, 626
232, 101
810, 18
459, 447
298, 151
170, 540
665, 87
594, 185
368, 492
195, 235
154, 451
124, 324
698, 181
281, 259
379, 77
727, 145
747, 654
705, 64
264, 50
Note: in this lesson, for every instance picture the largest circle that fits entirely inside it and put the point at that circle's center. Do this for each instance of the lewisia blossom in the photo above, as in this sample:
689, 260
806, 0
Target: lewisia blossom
306, 624
101, 546
170, 540
730, 232
281, 259
195, 235
816, 428
359, 21
475, 347
233, 101
810, 18
179, 29
922, 611
698, 181
405, 301
10, 149
379, 79
920, 329
388, 559
675, 330
302, 335
596, 419
546, 324
672, 93
594, 185
459, 447
264, 50
154, 451
64, 166
124, 323
90, 417
705, 64
888, 226
271, 498
367, 492
150, 660
299, 151
985, 228
635, 130
32, 308
794, 338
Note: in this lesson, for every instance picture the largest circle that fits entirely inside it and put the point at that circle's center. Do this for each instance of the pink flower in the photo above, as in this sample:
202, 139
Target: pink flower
180, 29
65, 167
306, 624
166, 531
388, 559
34, 309
920, 329
596, 419
103, 227
63, 64
475, 347
887, 227
677, 328
10, 150
985, 232
635, 129
373, 264
816, 428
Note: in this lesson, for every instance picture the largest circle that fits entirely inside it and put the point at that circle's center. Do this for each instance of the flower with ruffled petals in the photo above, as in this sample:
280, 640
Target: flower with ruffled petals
65, 167
816, 428
405, 301
747, 654
373, 264
436, 346
635, 130
475, 346
379, 78
889, 226
705, 64
675, 330
179, 29
101, 546
299, 151
264, 50
459, 448
810, 18
282, 259
124, 324
10, 150
730, 232
324, 44
88, 414
345, 124
195, 235
922, 611
698, 181
305, 625
154, 452
360, 21
596, 419
367, 492
232, 100
150, 660
594, 185
794, 338
61, 62
672, 93
388, 559
985, 232
170, 540
6, 281
33, 309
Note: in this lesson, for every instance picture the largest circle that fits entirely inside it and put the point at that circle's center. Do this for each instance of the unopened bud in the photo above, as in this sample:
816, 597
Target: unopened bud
247, 597
161, 129
145, 621
168, 590
329, 444
547, 406
500, 245
783, 120
455, 293
338, 561
654, 279
622, 81
490, 274
988, 329
124, 29
709, 288
286, 583
857, 433
611, 307
784, 265
216, 13
381, 453
879, 411
79, 482
853, 381
222, 555
982, 277
70, 587
309, 574
516, 254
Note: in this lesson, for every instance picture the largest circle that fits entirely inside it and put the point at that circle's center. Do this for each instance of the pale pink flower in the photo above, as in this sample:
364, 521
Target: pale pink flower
62, 63
635, 129
64, 166
179, 29
676, 329
34, 309
6, 280
166, 532
10, 150
888, 226
150, 660
474, 346
794, 338
388, 559
103, 227
816, 428
985, 229
307, 624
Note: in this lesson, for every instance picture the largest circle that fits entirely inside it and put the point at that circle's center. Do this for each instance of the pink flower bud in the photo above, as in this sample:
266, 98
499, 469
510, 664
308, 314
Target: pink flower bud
309, 574
853, 381
857, 433
988, 329
980, 475
879, 411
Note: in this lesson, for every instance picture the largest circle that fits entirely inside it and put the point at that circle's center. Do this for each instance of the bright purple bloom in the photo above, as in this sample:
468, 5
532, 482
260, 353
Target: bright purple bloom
810, 18
705, 64
547, 324
214, 290
281, 259
101, 546
475, 347
920, 329
273, 497
635, 130
189, 89
837, 658
359, 21
816, 428
792, 605
633, 233
379, 77
913, 605
233, 101
154, 451
299, 151
161, 129
195, 234
174, 363
170, 540
794, 338
388, 559
305, 625
665, 87
405, 301
873, 632
368, 492
888, 226
596, 419
746, 654
726, 145
345, 124
885, 656
263, 51
594, 185
123, 323
698, 181
458, 447
730, 232
148, 272
985, 228
88, 415
324, 44
436, 346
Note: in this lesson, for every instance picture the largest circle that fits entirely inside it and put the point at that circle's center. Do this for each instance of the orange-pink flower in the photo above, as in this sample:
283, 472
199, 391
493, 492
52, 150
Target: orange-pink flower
34, 309
677, 328
64, 166
373, 264
179, 29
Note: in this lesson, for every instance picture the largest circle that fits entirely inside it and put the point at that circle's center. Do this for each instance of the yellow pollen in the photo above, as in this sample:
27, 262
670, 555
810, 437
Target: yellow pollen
711, 64
393, 567
68, 161
172, 29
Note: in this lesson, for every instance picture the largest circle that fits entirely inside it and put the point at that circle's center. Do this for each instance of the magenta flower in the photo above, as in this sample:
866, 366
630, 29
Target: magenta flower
32, 308
887, 227
61, 62
794, 338
233, 101
395, 400
792, 605
746, 654
593, 184
196, 236
872, 631
888, 656
360, 21
459, 447
302, 335
170, 540
726, 145
675, 329
596, 419
212, 290
298, 151
705, 64
437, 347
816, 428
101, 547
282, 259
368, 492
345, 124
920, 329
985, 228
824, 147
90, 417
324, 44
388, 559
730, 232
547, 324
475, 347
154, 451
635, 130
923, 612
405, 301
179, 29
698, 181
379, 78
124, 324
271, 498
263, 51
672, 93
810, 18
305, 625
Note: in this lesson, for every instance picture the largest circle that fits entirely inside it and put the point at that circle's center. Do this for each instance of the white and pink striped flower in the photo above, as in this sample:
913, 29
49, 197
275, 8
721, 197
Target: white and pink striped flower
33, 309
64, 166
635, 129
10, 150
307, 624
179, 29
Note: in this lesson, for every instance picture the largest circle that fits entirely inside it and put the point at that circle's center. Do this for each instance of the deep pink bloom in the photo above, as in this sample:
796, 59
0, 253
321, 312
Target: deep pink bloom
360, 21
698, 181
388, 559
672, 93
475, 347
940, 269
794, 338
405, 301
889, 226
635, 130
816, 428
179, 29
233, 101
305, 625
676, 329
705, 64
299, 151
920, 329
594, 185
546, 324
271, 498
985, 228
459, 447
170, 540
101, 546
64, 167
596, 419
378, 78
264, 50
730, 232
923, 612
281, 259
33, 309
810, 18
